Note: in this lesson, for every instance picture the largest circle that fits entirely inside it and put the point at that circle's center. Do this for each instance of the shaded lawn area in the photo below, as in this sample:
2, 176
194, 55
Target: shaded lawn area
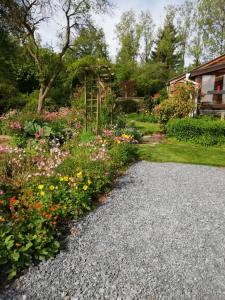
144, 127
175, 151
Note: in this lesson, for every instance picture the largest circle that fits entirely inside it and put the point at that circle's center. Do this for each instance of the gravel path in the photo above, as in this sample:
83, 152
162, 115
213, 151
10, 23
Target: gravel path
161, 235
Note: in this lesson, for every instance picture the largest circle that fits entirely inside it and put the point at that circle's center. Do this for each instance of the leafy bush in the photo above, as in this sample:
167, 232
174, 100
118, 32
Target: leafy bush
204, 131
178, 106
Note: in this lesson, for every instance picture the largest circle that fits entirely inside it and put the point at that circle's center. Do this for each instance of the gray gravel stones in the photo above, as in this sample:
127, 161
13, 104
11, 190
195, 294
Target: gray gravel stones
161, 235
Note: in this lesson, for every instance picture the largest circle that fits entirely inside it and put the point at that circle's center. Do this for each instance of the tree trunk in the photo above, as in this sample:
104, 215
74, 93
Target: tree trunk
41, 98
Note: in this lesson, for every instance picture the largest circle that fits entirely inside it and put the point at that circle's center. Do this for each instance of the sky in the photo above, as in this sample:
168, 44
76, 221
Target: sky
108, 22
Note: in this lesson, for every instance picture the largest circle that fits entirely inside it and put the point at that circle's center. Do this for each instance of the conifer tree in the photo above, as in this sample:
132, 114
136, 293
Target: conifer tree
167, 47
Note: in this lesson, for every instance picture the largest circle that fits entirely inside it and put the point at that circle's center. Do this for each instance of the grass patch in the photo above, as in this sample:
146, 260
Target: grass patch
181, 152
145, 127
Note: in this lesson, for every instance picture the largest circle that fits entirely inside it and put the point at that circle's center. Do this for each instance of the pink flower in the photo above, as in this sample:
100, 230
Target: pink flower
15, 125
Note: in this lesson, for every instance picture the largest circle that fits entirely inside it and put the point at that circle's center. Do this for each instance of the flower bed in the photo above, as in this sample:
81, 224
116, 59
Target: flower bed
48, 181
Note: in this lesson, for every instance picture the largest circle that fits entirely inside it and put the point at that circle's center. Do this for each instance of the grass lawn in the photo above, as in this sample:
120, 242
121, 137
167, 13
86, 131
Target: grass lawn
144, 127
174, 151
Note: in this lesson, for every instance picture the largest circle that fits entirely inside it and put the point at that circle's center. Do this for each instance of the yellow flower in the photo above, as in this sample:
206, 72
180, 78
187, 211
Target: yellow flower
118, 142
126, 136
51, 187
89, 181
42, 193
85, 187
79, 175
41, 186
60, 178
66, 178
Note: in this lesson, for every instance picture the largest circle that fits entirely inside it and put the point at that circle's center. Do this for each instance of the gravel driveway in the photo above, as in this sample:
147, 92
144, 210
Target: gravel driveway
161, 235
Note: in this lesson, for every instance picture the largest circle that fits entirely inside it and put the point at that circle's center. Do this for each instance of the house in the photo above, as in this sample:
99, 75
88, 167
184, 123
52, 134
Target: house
209, 80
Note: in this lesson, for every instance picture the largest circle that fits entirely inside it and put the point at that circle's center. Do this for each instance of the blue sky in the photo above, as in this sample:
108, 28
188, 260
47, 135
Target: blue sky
108, 22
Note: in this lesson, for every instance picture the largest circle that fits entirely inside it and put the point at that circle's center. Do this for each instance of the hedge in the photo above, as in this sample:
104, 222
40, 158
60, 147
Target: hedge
204, 131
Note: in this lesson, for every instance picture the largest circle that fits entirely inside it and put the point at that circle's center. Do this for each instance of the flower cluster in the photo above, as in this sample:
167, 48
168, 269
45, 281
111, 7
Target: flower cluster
124, 138
46, 164
16, 125
8, 115
6, 149
61, 114
108, 133
101, 154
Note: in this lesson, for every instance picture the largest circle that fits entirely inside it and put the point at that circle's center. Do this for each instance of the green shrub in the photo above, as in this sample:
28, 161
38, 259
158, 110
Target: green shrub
122, 154
179, 106
202, 131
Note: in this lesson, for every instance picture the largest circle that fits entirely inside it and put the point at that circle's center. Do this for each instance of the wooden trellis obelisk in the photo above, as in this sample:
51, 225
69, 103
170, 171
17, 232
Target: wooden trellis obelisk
95, 86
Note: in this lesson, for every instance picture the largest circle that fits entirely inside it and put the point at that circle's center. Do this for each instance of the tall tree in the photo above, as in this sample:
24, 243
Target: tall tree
147, 33
24, 18
90, 41
184, 22
129, 34
212, 22
167, 47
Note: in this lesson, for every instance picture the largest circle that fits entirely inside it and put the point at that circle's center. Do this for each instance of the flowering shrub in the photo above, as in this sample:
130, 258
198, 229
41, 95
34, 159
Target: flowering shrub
178, 106
28, 222
53, 182
26, 232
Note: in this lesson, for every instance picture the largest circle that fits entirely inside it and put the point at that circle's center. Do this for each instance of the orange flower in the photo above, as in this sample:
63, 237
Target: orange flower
12, 201
47, 216
38, 205
54, 223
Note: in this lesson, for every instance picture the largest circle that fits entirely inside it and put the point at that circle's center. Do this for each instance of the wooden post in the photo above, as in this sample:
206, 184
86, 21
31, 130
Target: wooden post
91, 100
85, 101
98, 105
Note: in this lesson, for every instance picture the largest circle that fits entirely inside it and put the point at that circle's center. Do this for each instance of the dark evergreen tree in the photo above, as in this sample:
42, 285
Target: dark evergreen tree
167, 48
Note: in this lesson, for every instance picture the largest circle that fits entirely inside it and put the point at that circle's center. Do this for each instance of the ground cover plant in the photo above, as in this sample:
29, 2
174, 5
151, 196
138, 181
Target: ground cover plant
50, 177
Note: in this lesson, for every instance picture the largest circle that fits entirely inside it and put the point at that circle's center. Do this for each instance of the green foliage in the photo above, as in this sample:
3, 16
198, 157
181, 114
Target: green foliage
90, 42
151, 78
202, 131
125, 71
31, 128
129, 33
178, 106
211, 21
167, 46
123, 154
